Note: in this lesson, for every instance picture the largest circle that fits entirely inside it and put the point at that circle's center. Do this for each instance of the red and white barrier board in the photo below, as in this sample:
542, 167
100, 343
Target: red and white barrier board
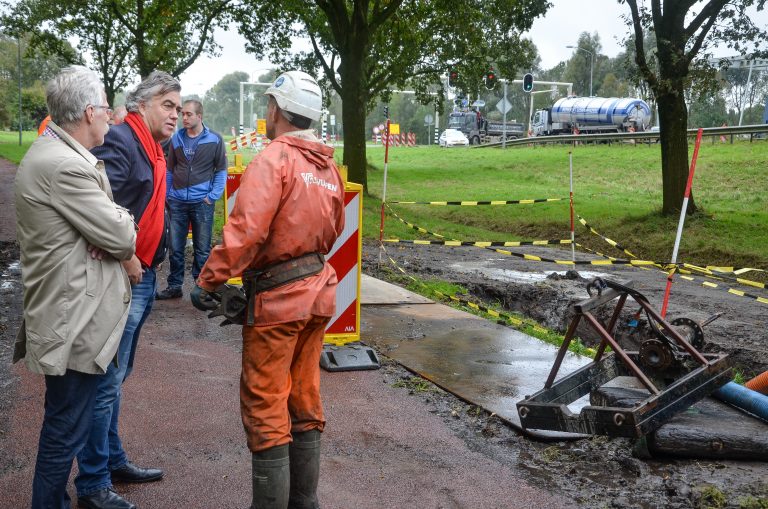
345, 257
234, 173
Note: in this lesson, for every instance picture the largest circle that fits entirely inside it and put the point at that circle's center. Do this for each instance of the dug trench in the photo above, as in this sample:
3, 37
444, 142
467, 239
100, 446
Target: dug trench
601, 471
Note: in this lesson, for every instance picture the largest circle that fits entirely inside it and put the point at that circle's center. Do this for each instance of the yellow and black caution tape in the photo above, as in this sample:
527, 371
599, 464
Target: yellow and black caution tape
610, 261
723, 275
514, 320
713, 269
455, 242
683, 268
712, 272
500, 243
733, 291
611, 242
413, 226
475, 203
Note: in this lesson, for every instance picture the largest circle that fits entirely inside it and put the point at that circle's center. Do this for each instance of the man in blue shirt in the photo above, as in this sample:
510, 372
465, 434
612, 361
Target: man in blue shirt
196, 176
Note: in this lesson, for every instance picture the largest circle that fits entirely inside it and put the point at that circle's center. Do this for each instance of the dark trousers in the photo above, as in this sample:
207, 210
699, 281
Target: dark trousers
183, 214
69, 401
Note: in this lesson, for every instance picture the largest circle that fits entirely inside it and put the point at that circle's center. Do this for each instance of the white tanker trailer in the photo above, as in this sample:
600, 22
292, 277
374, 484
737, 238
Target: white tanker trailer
583, 115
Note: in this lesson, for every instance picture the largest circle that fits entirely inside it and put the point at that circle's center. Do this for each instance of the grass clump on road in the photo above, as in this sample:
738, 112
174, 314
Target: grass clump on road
414, 384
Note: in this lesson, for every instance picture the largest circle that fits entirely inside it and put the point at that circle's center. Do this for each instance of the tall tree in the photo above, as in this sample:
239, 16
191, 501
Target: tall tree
124, 37
744, 89
684, 30
364, 47
36, 69
221, 104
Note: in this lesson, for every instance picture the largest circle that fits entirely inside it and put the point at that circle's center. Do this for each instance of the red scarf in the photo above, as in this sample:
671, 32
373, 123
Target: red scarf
152, 220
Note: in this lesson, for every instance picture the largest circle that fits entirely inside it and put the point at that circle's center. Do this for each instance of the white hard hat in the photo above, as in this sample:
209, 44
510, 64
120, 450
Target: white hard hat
297, 92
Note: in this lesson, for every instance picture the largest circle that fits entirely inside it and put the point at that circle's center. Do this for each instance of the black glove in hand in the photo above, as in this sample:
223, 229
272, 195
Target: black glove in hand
204, 300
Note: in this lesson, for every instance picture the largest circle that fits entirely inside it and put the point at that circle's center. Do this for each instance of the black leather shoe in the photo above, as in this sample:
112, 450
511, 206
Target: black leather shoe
104, 499
131, 473
169, 293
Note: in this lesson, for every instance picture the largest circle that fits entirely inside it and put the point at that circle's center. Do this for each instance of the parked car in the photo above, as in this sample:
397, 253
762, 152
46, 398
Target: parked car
453, 138
655, 129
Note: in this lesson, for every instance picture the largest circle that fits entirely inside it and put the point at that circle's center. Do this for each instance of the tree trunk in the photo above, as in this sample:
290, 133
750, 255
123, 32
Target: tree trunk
673, 120
354, 99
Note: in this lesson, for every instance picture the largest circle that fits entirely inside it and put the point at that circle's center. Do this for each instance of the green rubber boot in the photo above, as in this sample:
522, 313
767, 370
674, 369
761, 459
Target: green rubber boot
305, 470
271, 478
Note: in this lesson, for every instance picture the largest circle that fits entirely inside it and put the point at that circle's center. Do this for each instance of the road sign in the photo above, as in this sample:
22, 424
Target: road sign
428, 119
394, 128
381, 127
503, 106
261, 126
376, 130
333, 120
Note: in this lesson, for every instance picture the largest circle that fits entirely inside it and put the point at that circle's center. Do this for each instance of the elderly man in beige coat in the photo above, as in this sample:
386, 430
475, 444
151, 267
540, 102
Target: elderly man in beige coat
73, 240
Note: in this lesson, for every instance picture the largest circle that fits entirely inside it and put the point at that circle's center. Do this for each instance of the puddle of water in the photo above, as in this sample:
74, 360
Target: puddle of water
6, 285
515, 275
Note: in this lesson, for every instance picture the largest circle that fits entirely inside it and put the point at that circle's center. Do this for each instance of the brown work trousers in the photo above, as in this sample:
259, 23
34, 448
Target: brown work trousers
280, 381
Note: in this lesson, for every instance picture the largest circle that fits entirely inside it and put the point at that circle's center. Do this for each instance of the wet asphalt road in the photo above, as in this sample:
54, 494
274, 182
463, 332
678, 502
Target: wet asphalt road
382, 448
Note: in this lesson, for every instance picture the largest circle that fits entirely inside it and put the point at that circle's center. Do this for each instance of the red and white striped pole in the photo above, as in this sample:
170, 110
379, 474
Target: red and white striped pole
680, 223
384, 190
573, 237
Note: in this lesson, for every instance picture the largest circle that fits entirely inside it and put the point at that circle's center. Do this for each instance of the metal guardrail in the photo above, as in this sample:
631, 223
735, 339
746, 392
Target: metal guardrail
645, 136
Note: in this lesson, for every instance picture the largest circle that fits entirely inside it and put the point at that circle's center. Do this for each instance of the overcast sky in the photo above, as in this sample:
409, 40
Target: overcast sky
560, 27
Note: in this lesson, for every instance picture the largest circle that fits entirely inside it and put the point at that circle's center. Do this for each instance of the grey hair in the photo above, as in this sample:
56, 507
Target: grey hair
157, 83
70, 92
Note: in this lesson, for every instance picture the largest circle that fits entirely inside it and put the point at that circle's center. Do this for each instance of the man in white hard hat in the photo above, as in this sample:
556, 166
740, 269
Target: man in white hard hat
288, 214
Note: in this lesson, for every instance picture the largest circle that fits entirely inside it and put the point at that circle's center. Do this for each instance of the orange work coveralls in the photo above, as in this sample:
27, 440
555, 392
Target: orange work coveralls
290, 203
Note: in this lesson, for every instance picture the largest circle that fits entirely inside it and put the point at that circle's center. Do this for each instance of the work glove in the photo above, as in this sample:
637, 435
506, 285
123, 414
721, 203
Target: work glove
204, 300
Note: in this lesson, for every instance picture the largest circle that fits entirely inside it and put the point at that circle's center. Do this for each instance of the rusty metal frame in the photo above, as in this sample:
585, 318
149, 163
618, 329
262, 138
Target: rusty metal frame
548, 408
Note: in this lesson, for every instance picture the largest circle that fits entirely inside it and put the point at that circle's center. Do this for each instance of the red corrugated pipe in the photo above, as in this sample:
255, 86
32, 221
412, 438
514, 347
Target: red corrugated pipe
759, 383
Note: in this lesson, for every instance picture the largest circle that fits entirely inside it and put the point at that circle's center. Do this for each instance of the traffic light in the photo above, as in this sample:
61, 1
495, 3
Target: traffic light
528, 82
490, 79
386, 111
453, 77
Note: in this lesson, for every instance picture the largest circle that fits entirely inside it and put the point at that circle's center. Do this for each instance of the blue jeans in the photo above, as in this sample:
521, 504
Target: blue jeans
69, 401
200, 216
104, 452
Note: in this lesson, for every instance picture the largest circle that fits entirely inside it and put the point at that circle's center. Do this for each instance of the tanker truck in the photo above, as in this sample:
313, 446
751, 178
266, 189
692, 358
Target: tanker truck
479, 129
589, 115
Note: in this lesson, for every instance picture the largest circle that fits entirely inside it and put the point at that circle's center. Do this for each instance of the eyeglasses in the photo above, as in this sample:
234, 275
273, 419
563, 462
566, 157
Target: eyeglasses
106, 109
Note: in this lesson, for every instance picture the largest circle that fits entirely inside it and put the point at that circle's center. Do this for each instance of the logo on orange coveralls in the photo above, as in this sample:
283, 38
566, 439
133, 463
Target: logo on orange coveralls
310, 179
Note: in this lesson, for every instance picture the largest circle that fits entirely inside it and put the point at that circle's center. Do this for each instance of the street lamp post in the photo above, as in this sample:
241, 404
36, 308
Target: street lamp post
591, 64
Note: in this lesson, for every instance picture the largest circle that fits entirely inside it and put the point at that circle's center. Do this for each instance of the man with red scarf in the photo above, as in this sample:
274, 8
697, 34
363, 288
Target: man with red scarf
135, 166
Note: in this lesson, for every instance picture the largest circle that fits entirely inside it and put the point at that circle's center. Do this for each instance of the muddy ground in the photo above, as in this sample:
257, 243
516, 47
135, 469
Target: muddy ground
599, 472
594, 473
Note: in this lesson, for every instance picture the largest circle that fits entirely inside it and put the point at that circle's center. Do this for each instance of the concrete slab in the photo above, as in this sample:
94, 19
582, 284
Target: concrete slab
482, 362
377, 292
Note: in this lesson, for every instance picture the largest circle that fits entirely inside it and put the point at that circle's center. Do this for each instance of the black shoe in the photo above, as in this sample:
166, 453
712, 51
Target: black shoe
131, 473
104, 499
169, 293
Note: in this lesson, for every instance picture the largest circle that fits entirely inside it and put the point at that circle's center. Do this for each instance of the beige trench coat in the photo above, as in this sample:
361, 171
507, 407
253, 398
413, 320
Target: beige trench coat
75, 307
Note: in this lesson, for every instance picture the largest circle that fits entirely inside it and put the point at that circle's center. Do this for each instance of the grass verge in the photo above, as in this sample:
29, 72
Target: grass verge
617, 189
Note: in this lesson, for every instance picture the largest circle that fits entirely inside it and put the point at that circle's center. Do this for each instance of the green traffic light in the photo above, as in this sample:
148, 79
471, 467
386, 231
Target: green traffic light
528, 82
